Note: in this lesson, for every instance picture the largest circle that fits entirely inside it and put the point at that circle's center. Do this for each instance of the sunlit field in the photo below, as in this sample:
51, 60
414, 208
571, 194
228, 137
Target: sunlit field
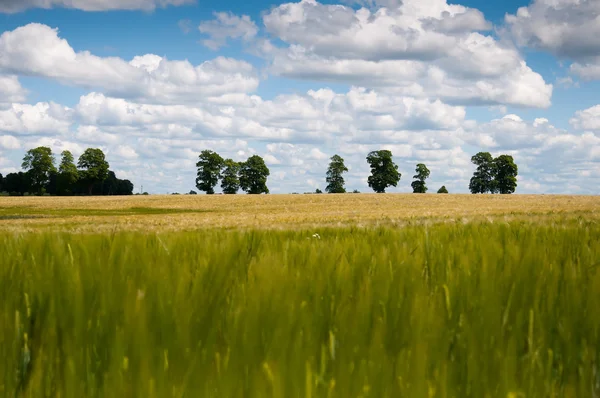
300, 296
161, 213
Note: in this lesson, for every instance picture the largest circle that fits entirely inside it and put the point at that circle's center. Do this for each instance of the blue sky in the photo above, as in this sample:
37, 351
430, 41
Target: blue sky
153, 82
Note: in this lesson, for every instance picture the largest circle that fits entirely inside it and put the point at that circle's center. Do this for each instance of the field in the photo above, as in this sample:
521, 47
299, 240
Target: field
300, 296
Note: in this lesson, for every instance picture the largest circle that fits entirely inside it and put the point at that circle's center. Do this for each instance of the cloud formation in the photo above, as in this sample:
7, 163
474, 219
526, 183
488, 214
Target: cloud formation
225, 26
566, 28
417, 48
37, 50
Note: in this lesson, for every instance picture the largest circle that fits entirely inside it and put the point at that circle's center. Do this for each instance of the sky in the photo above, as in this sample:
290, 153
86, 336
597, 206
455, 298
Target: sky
154, 82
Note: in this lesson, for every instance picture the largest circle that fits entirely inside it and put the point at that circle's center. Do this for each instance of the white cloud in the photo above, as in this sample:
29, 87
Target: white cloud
11, 90
225, 26
11, 6
9, 142
37, 50
566, 28
39, 119
424, 49
587, 119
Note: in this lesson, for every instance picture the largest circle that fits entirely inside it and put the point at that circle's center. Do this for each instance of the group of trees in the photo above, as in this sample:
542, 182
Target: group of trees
251, 175
492, 175
90, 176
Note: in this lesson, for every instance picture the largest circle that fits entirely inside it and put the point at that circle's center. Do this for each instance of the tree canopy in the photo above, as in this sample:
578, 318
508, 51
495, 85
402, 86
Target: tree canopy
67, 173
335, 178
209, 171
93, 167
253, 175
230, 183
442, 189
66, 180
423, 173
384, 172
497, 175
39, 165
506, 174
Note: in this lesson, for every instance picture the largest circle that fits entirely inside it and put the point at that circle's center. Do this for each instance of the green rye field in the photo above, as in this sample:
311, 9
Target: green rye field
300, 296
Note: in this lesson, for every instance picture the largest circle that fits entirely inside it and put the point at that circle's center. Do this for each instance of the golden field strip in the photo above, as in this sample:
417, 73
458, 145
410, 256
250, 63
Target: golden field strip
175, 212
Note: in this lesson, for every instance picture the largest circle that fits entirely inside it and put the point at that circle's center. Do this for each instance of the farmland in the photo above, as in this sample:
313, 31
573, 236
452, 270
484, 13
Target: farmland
300, 296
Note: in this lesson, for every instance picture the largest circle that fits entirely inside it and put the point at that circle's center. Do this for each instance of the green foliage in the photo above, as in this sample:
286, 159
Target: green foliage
506, 174
68, 174
483, 178
253, 175
93, 167
493, 175
442, 189
1, 183
17, 183
319, 191
452, 310
384, 172
231, 180
423, 173
39, 165
209, 171
335, 179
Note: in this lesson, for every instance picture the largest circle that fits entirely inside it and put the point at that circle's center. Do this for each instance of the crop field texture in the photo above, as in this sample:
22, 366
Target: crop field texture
300, 296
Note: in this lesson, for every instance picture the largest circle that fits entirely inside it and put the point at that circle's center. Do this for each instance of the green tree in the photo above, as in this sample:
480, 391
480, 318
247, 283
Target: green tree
67, 173
1, 183
253, 175
506, 174
483, 178
209, 171
423, 173
39, 165
231, 180
17, 183
442, 189
93, 167
384, 172
335, 179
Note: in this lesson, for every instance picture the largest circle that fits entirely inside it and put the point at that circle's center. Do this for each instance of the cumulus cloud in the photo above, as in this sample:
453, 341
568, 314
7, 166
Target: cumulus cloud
12, 6
566, 28
37, 50
11, 90
587, 119
417, 48
225, 26
9, 142
39, 119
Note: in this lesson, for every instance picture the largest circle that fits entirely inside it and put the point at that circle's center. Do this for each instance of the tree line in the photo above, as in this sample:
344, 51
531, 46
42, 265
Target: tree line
90, 176
493, 175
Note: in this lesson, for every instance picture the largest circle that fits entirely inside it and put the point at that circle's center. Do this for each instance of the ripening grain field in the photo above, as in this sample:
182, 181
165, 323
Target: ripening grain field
300, 296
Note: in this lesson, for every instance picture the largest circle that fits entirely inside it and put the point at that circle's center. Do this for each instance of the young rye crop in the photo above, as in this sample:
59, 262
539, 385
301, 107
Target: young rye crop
453, 310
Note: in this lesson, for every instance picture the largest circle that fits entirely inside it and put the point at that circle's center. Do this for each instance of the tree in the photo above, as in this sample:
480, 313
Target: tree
230, 183
39, 165
68, 174
442, 189
253, 175
423, 173
506, 174
384, 172
93, 167
483, 178
209, 171
1, 183
17, 183
335, 180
